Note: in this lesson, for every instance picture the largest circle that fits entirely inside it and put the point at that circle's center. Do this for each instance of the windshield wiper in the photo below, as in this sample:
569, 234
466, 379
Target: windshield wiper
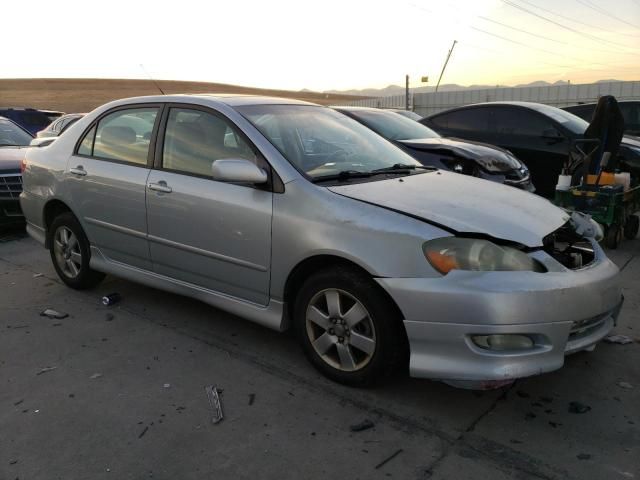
343, 175
402, 168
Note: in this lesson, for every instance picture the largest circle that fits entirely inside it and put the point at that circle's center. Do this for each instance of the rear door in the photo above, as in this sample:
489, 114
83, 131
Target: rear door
208, 233
106, 178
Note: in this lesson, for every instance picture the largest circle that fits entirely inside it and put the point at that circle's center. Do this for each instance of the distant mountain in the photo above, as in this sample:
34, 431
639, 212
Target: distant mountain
451, 87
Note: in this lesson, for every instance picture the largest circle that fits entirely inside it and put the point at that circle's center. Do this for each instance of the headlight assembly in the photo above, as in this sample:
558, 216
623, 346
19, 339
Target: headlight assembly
454, 253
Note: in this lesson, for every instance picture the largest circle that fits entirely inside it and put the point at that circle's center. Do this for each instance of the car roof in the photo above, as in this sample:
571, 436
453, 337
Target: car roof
232, 100
353, 108
540, 107
592, 104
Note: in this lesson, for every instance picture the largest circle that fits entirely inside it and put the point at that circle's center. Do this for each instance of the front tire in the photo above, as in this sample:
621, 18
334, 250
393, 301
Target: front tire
70, 253
348, 328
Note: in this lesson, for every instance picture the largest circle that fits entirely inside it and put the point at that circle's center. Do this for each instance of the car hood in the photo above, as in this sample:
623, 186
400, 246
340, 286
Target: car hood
488, 156
11, 157
464, 204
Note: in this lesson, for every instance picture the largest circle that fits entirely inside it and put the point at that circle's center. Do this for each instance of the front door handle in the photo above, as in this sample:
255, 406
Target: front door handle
161, 186
79, 170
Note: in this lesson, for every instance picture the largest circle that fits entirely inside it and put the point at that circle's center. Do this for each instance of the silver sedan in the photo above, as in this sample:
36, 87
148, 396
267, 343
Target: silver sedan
294, 215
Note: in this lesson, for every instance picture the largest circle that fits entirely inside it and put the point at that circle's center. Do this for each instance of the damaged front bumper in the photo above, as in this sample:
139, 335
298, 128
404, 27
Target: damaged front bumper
562, 311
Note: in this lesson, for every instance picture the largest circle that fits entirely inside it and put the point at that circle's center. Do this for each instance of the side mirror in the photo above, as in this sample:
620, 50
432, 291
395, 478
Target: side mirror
237, 170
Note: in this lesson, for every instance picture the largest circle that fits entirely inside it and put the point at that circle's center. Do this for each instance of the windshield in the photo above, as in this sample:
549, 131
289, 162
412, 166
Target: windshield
393, 126
12, 135
319, 141
568, 120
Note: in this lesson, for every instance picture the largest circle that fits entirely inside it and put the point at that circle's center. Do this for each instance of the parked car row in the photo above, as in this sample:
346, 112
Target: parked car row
296, 215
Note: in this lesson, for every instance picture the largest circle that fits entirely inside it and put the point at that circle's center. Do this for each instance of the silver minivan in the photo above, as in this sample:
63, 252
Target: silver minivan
294, 215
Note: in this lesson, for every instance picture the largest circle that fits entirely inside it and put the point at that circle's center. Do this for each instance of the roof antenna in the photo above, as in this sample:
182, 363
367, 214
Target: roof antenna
152, 79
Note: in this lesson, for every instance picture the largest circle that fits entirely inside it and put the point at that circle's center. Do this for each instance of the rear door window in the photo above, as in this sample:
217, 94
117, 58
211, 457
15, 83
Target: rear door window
469, 120
122, 136
518, 121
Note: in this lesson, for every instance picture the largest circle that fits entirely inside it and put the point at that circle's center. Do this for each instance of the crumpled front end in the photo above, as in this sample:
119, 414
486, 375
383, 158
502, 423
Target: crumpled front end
485, 329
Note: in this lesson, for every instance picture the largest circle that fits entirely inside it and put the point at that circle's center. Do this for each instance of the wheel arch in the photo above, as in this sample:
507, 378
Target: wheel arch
51, 210
307, 267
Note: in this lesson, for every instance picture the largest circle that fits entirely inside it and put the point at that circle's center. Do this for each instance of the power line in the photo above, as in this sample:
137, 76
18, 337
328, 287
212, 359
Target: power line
487, 19
602, 11
578, 21
571, 29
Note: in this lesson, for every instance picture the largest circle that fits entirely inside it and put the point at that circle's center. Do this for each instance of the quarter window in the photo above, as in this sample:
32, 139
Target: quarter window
86, 146
122, 136
195, 139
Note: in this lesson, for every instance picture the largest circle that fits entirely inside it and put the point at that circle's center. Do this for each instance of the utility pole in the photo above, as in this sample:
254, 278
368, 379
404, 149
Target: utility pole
445, 63
406, 92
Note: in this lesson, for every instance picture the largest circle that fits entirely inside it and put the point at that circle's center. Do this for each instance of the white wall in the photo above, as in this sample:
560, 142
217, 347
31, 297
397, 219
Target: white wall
556, 95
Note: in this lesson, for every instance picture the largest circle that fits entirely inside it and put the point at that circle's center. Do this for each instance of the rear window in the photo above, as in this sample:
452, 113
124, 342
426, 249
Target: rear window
32, 119
12, 135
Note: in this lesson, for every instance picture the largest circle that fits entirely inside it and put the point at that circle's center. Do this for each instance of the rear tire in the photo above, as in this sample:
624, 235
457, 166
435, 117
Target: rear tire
613, 236
70, 253
631, 227
348, 328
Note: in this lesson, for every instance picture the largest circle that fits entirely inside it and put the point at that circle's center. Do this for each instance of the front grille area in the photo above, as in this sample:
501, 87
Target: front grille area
10, 186
569, 248
584, 328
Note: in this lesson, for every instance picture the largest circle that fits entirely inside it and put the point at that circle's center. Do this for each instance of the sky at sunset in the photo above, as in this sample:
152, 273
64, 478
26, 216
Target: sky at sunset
323, 45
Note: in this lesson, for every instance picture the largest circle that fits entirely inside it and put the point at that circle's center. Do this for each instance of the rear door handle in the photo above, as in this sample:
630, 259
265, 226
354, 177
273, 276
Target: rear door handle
161, 186
79, 170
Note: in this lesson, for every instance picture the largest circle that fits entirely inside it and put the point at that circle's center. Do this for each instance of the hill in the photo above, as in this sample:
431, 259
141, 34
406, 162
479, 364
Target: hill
83, 95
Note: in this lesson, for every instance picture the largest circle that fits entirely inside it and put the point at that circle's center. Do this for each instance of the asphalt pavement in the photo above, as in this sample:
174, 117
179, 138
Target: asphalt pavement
119, 393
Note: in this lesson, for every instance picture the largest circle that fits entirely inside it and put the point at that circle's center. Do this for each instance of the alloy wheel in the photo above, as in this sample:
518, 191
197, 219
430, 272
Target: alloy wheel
67, 252
340, 330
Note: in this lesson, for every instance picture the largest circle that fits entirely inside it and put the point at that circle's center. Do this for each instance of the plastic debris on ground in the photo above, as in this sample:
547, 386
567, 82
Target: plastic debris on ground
95, 375
366, 424
625, 385
619, 339
213, 394
51, 313
577, 407
45, 370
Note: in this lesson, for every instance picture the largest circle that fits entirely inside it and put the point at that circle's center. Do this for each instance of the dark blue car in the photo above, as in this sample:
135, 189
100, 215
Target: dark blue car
28, 118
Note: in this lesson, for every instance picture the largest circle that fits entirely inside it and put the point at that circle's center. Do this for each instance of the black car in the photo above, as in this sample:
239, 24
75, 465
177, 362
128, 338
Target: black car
407, 113
14, 141
30, 119
540, 135
429, 148
630, 111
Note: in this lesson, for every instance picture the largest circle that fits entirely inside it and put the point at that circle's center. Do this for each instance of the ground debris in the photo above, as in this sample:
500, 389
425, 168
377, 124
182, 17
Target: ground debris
252, 398
95, 375
143, 432
37, 275
583, 456
366, 424
522, 394
625, 385
577, 407
213, 394
45, 370
389, 458
51, 313
619, 339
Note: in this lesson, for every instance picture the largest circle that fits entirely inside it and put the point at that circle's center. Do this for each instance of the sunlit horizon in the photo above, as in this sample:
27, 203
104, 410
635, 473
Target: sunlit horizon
330, 45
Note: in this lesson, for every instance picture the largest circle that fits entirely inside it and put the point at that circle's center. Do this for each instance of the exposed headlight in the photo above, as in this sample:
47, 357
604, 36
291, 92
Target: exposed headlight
454, 253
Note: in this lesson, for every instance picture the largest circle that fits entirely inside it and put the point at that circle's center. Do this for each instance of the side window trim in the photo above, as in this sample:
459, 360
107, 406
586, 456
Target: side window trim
96, 121
273, 183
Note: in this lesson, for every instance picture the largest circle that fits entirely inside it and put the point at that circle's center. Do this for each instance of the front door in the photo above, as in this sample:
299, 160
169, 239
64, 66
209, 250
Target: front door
207, 233
107, 176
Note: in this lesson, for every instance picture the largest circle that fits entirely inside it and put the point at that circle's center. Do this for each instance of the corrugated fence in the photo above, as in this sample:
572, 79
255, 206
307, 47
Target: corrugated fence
557, 95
